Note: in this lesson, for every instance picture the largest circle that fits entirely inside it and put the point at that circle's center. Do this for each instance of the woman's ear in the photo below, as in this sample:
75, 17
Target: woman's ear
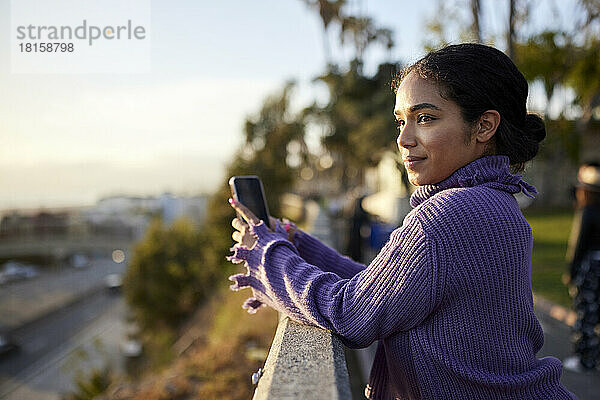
487, 126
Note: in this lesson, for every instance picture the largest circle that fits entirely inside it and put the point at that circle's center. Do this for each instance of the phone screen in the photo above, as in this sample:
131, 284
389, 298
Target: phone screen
248, 191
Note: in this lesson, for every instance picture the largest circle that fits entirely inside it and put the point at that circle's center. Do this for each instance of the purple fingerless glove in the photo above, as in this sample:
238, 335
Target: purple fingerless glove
287, 229
254, 259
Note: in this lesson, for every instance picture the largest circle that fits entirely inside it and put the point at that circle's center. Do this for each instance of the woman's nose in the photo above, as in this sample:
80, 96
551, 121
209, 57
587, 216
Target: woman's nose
406, 137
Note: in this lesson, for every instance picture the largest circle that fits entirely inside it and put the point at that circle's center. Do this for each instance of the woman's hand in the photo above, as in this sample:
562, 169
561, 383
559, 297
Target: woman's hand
242, 234
244, 237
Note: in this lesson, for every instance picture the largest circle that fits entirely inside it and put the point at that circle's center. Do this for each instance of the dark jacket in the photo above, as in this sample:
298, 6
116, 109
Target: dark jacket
585, 236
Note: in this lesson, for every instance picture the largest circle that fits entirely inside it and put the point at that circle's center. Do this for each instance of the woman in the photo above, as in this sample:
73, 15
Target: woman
449, 296
584, 276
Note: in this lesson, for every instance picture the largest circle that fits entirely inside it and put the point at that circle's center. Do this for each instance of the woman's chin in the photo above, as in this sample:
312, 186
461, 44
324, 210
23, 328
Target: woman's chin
416, 178
414, 181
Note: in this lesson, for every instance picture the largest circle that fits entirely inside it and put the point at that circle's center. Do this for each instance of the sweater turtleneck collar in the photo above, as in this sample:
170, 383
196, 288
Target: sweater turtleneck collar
490, 171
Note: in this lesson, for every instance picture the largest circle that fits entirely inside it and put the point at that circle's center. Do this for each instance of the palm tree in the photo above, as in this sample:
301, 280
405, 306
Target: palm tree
475, 10
329, 10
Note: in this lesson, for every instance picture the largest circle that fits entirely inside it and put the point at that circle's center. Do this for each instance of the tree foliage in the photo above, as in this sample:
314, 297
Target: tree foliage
91, 386
557, 60
462, 16
360, 30
329, 11
363, 32
547, 56
275, 148
584, 77
358, 117
167, 275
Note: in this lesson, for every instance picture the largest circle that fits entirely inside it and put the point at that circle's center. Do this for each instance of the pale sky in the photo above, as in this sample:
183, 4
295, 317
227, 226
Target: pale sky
68, 139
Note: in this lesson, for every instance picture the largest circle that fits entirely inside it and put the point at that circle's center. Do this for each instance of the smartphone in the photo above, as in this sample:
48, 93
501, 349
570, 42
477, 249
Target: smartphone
249, 191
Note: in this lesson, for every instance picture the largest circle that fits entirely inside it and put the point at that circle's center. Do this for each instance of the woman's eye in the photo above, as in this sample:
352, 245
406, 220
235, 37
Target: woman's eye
424, 118
400, 123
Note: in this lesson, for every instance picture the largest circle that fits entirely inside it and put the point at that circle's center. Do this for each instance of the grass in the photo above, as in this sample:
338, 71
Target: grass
551, 229
232, 345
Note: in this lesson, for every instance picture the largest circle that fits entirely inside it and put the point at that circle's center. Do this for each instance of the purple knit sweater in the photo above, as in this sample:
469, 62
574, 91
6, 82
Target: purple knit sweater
448, 298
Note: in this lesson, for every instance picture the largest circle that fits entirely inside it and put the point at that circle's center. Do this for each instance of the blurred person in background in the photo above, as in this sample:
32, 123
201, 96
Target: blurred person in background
583, 255
449, 296
359, 222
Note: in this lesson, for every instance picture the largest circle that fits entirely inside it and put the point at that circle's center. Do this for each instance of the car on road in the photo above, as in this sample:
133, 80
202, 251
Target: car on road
15, 271
7, 345
113, 282
131, 346
79, 260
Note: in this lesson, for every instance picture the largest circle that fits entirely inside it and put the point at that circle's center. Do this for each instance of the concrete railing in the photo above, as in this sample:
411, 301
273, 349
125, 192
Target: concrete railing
304, 362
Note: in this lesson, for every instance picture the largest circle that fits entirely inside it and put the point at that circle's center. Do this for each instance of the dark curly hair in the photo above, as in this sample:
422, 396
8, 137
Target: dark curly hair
480, 78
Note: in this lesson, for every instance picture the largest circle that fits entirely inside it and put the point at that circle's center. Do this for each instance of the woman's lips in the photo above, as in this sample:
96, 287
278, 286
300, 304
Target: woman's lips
411, 162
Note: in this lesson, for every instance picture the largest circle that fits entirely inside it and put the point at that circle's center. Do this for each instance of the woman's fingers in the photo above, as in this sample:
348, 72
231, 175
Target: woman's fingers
238, 224
237, 236
244, 212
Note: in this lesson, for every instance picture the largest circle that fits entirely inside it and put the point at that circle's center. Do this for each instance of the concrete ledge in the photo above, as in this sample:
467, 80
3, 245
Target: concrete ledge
304, 362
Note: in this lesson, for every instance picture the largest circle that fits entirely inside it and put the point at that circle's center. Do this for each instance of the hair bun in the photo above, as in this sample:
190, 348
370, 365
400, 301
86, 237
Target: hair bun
534, 127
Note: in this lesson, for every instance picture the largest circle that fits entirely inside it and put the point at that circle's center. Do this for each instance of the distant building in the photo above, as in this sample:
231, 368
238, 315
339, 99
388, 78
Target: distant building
126, 217
193, 208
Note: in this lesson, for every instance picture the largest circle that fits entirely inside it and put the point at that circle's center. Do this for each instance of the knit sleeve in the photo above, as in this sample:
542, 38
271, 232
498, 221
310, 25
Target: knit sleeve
315, 252
397, 291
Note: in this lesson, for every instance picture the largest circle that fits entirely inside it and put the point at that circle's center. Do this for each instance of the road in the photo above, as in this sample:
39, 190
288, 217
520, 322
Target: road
66, 323
71, 341
24, 301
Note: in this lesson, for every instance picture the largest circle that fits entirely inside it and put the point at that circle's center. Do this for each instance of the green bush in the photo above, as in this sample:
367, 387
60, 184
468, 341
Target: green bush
90, 386
167, 276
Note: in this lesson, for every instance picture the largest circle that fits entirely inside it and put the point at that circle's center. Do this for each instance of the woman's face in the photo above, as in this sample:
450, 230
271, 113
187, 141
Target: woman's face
434, 138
